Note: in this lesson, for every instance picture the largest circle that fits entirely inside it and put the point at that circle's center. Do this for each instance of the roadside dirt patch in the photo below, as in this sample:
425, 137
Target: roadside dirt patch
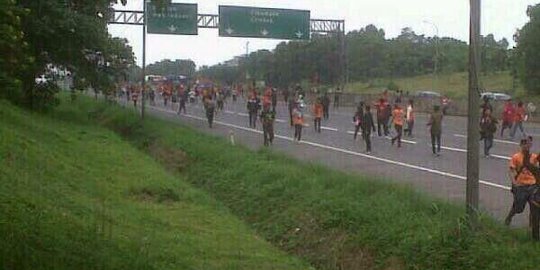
172, 159
155, 195
327, 248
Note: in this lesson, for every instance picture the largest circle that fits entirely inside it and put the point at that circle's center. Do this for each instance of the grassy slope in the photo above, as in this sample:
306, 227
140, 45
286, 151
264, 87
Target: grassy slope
454, 84
332, 219
76, 196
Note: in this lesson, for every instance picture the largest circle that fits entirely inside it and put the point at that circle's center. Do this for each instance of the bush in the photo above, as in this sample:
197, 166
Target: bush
43, 96
392, 86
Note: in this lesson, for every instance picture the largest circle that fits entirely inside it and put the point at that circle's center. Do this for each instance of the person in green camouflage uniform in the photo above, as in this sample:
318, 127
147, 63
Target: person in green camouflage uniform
267, 119
435, 124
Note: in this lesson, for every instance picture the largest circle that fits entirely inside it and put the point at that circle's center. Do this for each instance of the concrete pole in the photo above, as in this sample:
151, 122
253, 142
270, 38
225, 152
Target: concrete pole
473, 136
143, 81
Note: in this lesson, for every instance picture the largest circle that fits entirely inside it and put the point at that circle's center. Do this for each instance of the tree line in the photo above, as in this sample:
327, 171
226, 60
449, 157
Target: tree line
370, 55
66, 34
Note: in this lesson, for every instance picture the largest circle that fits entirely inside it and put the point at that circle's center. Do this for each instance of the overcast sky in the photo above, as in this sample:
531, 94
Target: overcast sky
500, 17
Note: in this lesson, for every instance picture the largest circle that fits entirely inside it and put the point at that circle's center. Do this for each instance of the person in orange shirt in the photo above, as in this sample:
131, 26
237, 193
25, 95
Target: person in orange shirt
397, 119
318, 114
298, 121
523, 171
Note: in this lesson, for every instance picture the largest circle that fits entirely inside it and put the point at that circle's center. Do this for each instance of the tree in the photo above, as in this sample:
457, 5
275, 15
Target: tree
528, 51
170, 68
15, 58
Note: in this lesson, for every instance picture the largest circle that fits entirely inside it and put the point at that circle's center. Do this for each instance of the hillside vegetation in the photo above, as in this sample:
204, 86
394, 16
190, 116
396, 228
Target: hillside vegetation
329, 218
455, 85
76, 196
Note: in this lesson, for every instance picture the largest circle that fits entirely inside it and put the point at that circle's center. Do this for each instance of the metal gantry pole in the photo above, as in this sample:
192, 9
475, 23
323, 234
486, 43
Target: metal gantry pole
143, 75
473, 136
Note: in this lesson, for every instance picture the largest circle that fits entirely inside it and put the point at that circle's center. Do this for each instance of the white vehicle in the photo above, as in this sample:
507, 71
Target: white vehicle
42, 79
495, 96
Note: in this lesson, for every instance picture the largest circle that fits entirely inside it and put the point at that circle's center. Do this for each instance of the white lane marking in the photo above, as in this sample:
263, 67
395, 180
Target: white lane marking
496, 140
433, 171
329, 128
230, 112
280, 121
243, 114
402, 140
352, 132
465, 151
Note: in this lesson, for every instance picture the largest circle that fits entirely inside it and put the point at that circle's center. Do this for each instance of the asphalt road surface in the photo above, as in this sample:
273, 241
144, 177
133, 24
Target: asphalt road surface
413, 164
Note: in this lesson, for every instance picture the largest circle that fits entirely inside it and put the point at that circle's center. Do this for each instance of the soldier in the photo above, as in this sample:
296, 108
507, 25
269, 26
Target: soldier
267, 120
357, 118
488, 127
209, 107
367, 126
435, 129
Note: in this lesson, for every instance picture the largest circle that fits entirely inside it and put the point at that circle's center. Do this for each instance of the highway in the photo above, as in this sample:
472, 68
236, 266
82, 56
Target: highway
413, 164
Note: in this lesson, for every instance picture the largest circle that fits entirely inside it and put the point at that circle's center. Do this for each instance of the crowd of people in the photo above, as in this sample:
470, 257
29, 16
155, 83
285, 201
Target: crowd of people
376, 118
387, 114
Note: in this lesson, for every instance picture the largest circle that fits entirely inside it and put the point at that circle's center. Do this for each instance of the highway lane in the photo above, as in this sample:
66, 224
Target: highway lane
412, 164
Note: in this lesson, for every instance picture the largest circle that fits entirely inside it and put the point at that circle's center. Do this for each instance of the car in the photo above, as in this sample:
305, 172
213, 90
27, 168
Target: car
427, 94
495, 96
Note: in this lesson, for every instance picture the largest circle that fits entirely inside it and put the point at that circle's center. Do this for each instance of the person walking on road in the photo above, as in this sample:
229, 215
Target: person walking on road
486, 105
523, 174
382, 117
267, 120
336, 98
253, 105
291, 106
367, 125
209, 107
317, 114
135, 96
397, 119
507, 116
410, 118
182, 99
488, 127
357, 118
326, 106
435, 129
298, 120
520, 116
274, 99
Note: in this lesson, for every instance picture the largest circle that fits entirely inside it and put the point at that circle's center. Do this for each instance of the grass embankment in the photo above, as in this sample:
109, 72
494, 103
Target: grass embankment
332, 219
455, 85
76, 196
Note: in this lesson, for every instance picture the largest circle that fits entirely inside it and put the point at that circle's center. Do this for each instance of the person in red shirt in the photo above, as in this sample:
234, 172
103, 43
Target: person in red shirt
520, 115
382, 117
507, 116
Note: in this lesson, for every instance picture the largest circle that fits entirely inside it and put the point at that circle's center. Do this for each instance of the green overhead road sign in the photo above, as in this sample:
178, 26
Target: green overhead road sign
174, 19
235, 21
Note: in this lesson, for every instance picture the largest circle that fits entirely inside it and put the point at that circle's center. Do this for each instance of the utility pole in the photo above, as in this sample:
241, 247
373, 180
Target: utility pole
473, 122
436, 60
143, 81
